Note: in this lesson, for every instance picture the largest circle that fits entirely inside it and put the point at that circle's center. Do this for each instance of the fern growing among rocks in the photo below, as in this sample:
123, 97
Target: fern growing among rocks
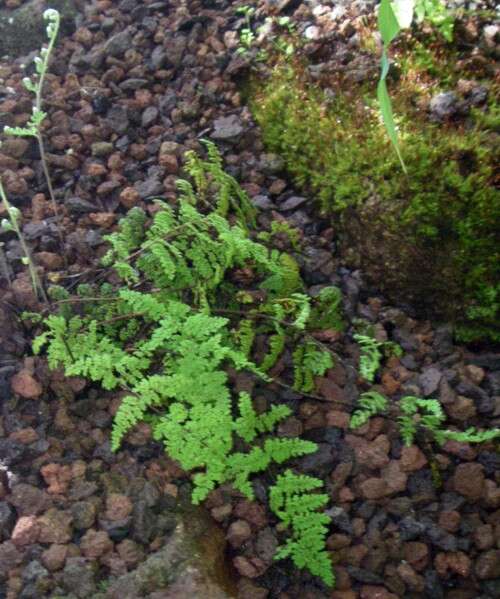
414, 414
370, 404
294, 501
309, 361
369, 360
161, 334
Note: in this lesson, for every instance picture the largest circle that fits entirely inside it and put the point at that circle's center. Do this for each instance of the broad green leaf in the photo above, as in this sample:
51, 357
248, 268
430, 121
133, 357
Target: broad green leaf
387, 23
403, 11
386, 109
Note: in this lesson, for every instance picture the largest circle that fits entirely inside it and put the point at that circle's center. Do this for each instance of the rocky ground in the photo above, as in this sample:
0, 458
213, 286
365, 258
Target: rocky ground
134, 85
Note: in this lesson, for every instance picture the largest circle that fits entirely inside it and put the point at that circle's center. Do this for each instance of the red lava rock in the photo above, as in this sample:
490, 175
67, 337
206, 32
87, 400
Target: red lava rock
15, 147
416, 554
95, 543
238, 532
25, 531
24, 384
394, 476
249, 567
475, 373
63, 421
252, 512
290, 427
410, 577
129, 197
412, 459
118, 507
458, 562
130, 552
356, 554
49, 260
374, 488
338, 541
338, 419
468, 480
170, 163
24, 294
346, 495
115, 162
492, 496
330, 390
6, 162
107, 188
24, 436
54, 557
462, 450
55, 527
375, 592
344, 595
462, 409
374, 454
222, 512
450, 520
94, 169
488, 565
483, 537
29, 500
390, 383
57, 478
102, 219
114, 562
277, 187
10, 556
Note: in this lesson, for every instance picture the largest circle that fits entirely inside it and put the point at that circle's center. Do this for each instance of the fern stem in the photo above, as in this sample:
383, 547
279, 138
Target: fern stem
45, 168
35, 279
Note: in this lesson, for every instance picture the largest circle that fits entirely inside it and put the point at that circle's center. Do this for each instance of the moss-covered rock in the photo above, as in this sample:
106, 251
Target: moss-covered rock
23, 30
431, 237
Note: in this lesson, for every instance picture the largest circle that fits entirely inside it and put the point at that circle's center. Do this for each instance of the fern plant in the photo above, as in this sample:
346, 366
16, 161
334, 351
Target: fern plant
309, 361
369, 361
34, 84
370, 404
158, 334
296, 504
417, 414
212, 181
428, 414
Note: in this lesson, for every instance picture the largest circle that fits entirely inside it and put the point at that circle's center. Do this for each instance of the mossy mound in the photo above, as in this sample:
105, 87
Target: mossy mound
432, 237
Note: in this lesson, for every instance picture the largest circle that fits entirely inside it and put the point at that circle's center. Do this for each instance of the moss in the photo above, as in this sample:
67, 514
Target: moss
430, 237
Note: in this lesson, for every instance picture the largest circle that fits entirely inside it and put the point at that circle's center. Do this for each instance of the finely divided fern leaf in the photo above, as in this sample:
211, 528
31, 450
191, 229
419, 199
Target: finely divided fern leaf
293, 500
369, 361
369, 404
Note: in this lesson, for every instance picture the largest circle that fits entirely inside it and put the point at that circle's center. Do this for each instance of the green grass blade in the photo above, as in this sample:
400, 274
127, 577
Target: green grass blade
387, 23
386, 109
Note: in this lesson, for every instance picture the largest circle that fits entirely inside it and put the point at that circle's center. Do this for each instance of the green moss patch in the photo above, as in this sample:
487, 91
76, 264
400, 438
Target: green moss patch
430, 237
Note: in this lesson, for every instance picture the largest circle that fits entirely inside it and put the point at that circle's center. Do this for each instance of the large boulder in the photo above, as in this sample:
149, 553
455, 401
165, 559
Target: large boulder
190, 564
429, 237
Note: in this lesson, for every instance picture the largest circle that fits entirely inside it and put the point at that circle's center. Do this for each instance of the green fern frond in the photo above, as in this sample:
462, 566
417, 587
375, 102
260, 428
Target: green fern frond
327, 310
471, 435
309, 361
276, 346
369, 361
245, 336
250, 424
286, 278
369, 404
292, 499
